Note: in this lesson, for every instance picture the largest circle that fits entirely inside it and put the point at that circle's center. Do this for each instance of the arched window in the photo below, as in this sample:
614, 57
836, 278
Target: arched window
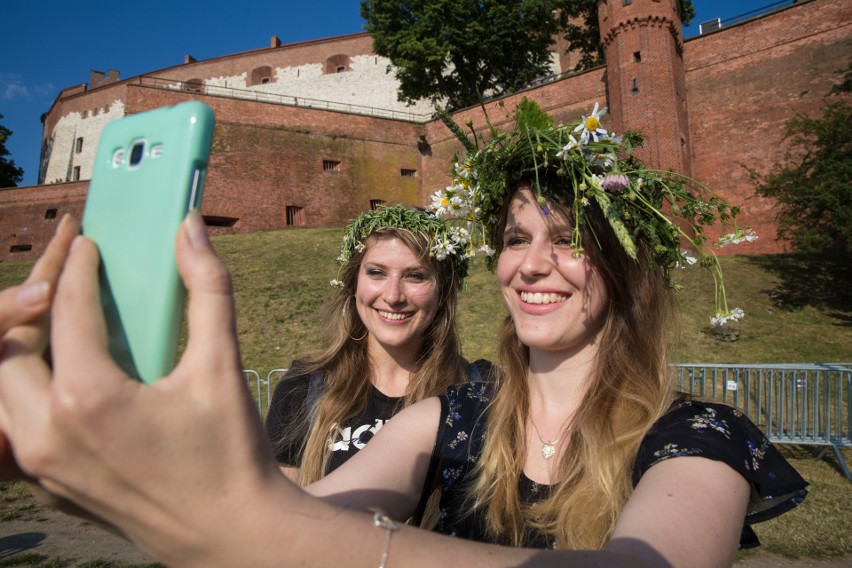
261, 75
337, 64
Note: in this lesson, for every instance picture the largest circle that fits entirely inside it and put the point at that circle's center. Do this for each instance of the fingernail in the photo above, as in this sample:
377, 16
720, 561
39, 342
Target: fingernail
76, 242
196, 230
33, 294
61, 223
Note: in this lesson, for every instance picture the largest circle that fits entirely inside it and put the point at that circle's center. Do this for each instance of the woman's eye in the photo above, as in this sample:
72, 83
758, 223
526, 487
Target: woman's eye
374, 273
515, 242
418, 276
564, 242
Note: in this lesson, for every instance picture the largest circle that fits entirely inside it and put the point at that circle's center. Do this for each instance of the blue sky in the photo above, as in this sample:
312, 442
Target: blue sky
46, 47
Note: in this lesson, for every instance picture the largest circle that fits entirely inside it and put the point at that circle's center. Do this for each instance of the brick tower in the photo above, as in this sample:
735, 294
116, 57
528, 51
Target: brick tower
646, 84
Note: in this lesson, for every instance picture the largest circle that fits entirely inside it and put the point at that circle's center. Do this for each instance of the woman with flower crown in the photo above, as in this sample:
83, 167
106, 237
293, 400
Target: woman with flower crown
390, 340
581, 446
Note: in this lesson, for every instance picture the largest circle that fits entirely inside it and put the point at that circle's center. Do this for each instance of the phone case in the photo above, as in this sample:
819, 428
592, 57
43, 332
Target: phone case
149, 171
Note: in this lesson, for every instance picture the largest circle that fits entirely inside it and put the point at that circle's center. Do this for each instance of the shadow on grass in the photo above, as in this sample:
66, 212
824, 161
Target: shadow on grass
821, 281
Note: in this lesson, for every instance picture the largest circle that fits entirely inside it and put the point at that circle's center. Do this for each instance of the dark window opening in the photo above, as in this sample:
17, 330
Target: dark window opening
193, 86
216, 221
76, 176
50, 214
407, 173
330, 166
260, 75
635, 88
337, 63
20, 248
637, 56
295, 215
374, 203
78, 147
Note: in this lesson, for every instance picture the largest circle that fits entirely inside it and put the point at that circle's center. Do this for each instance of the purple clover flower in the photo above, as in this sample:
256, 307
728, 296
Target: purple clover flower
615, 183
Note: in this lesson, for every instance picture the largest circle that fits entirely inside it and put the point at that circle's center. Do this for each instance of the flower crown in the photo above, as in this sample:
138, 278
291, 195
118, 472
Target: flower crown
446, 240
663, 208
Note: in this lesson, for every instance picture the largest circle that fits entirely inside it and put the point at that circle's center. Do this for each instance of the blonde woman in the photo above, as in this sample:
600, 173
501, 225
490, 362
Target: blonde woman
390, 340
581, 455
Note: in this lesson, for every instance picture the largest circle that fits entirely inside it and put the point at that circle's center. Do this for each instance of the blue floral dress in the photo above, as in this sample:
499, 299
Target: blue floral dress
691, 428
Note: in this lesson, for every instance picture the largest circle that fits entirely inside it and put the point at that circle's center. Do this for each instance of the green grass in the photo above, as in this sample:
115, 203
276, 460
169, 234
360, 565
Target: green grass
281, 283
34, 560
798, 309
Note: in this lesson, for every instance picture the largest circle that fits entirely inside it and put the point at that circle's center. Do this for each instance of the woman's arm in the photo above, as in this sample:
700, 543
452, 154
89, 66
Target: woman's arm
184, 469
689, 509
389, 472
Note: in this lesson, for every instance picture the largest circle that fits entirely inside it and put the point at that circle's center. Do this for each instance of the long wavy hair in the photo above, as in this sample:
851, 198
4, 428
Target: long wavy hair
628, 391
344, 359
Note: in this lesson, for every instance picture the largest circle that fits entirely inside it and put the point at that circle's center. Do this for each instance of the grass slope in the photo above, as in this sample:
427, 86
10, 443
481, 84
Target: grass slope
799, 309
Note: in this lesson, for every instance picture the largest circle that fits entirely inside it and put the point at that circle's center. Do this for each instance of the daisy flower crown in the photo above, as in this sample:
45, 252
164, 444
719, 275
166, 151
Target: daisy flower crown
446, 241
667, 210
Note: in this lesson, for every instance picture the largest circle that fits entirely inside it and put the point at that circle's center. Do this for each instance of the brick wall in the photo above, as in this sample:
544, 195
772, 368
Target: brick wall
741, 84
29, 215
744, 82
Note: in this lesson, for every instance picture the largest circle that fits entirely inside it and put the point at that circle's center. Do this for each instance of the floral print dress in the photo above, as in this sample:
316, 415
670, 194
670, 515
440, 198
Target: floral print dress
691, 428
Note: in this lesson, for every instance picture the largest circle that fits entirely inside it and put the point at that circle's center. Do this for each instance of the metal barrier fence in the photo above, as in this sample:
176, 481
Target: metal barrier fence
807, 404
263, 387
253, 379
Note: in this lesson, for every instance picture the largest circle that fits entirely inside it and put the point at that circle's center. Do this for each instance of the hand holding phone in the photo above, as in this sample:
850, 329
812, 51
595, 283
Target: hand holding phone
149, 172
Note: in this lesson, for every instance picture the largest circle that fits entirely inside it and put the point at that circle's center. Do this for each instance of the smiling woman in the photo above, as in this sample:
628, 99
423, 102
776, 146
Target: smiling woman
579, 444
390, 340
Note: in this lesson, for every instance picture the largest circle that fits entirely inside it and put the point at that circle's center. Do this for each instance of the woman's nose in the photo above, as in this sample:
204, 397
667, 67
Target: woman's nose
393, 291
537, 260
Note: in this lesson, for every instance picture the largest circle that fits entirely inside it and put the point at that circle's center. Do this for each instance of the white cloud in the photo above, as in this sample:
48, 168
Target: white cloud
12, 87
44, 89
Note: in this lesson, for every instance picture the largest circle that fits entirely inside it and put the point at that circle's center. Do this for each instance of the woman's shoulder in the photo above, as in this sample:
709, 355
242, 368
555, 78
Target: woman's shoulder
694, 427
723, 433
298, 383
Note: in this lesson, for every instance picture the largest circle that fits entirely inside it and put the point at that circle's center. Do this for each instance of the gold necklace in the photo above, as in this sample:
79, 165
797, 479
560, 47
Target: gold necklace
548, 449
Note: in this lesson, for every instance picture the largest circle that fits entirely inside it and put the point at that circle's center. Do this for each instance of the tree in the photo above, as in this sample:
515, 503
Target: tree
10, 175
813, 186
460, 50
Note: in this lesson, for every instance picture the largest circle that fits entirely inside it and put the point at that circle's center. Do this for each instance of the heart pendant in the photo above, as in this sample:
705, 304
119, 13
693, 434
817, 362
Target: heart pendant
547, 451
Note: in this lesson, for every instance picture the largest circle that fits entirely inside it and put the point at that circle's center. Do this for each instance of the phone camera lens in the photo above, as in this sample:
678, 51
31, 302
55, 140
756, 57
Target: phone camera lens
137, 152
117, 157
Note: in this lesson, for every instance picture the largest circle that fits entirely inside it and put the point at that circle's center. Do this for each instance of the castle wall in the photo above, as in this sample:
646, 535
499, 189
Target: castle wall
78, 114
29, 216
745, 82
742, 84
566, 100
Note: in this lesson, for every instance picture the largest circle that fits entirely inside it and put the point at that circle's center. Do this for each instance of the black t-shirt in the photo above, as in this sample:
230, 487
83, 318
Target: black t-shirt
287, 424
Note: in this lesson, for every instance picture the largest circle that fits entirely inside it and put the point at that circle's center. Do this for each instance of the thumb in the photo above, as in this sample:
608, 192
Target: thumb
212, 328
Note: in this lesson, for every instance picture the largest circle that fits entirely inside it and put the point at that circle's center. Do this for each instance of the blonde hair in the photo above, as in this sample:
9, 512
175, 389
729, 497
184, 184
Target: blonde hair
628, 391
344, 360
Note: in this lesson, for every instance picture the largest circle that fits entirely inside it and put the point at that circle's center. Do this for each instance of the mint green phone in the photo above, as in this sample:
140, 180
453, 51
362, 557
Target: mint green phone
149, 171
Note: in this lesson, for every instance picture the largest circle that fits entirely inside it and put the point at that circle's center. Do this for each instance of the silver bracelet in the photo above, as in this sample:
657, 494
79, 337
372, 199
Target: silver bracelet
382, 521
